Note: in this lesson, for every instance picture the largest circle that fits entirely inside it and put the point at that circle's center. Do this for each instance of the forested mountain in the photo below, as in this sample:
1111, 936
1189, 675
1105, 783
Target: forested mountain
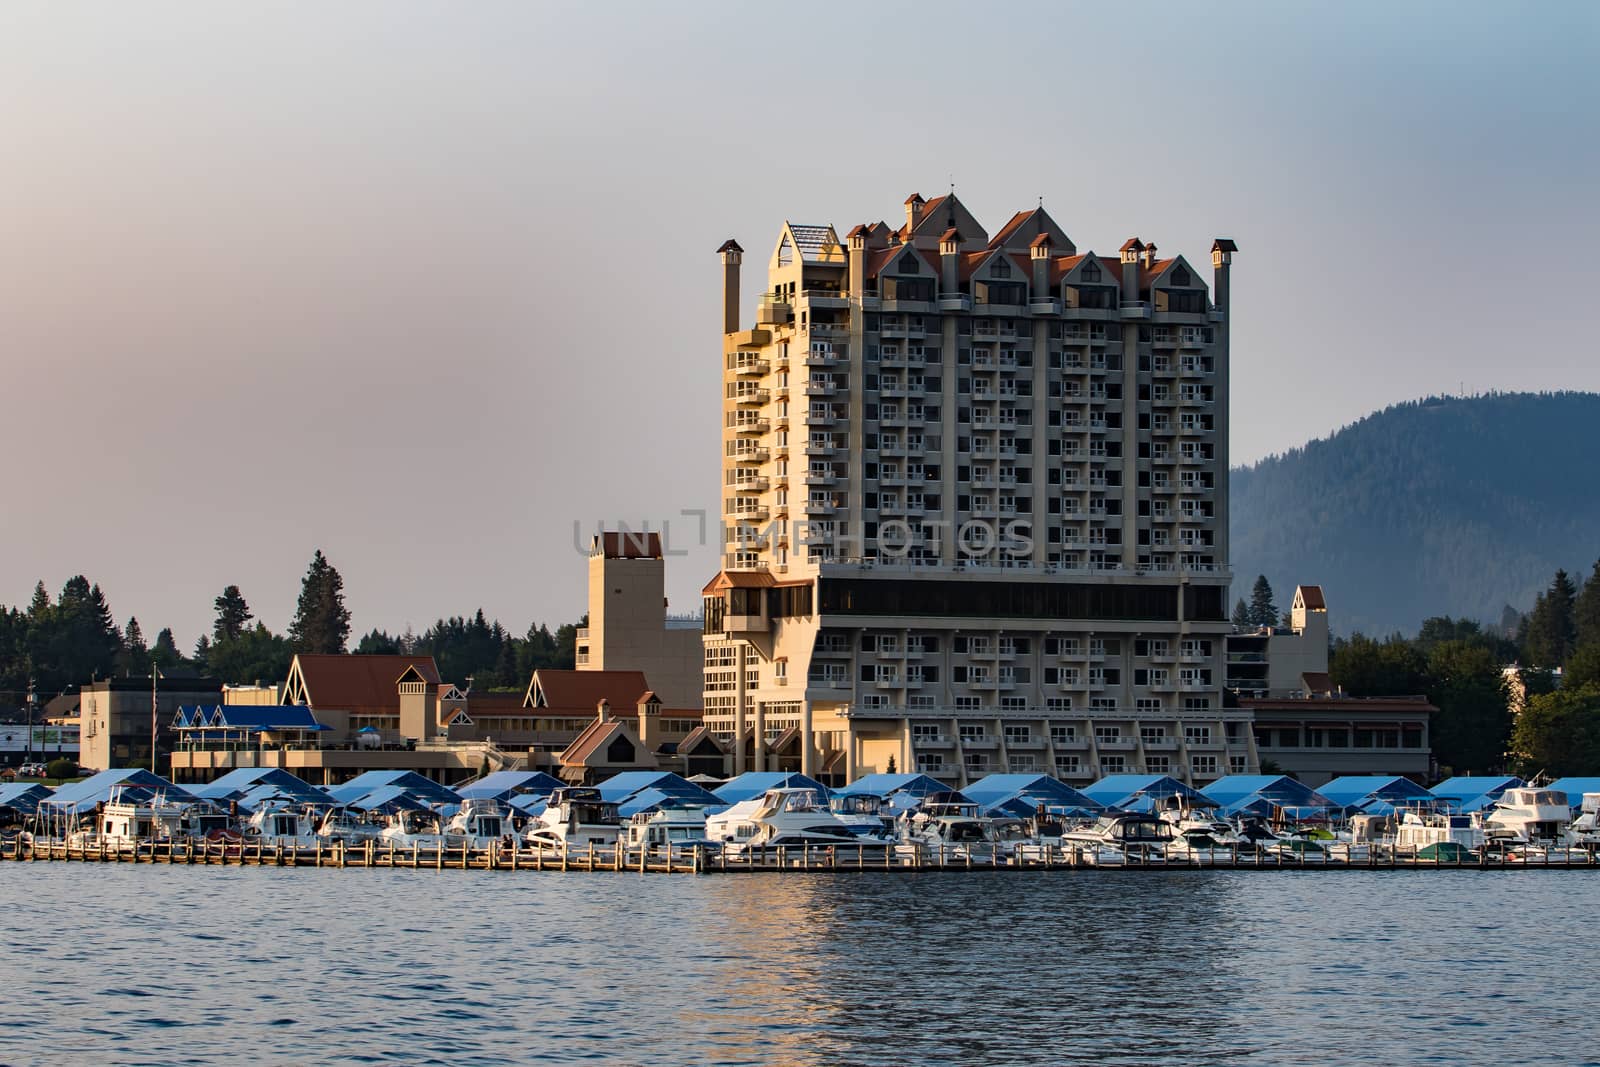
1444, 506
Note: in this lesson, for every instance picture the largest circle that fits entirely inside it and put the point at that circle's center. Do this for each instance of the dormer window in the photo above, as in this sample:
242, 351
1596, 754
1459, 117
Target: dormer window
1180, 276
1000, 269
909, 264
1091, 272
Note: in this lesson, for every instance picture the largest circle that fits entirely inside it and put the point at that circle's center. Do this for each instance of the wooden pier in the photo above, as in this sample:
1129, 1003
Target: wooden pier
661, 860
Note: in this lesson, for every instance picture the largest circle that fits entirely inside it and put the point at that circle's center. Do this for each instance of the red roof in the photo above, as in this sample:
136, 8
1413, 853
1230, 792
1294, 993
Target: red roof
351, 681
1311, 595
582, 691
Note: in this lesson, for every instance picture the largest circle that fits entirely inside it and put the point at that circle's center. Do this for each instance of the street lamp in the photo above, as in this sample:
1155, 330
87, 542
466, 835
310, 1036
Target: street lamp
33, 698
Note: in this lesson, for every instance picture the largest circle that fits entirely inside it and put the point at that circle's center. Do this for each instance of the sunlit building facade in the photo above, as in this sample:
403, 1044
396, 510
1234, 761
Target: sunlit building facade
974, 494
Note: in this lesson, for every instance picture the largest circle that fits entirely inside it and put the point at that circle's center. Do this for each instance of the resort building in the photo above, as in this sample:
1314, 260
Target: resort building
116, 716
975, 503
629, 628
1287, 660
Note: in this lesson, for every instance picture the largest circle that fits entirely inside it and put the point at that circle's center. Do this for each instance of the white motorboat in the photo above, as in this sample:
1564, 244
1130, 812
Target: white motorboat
787, 817
281, 825
478, 824
1532, 819
574, 819
347, 824
864, 814
1417, 829
1585, 828
412, 829
681, 830
949, 828
1122, 838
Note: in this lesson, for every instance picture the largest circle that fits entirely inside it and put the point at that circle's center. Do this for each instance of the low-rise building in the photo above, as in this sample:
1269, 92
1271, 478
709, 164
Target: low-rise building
117, 717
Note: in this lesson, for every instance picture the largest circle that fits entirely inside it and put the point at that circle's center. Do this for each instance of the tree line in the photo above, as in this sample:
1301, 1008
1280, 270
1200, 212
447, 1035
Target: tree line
55, 644
1540, 717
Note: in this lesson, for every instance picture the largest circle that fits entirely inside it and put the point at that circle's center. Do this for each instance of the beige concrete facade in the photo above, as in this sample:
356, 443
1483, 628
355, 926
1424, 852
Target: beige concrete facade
975, 499
629, 628
1285, 661
114, 717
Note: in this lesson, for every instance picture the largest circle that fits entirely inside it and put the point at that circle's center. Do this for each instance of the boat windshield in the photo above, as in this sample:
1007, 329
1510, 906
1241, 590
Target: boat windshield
802, 800
594, 813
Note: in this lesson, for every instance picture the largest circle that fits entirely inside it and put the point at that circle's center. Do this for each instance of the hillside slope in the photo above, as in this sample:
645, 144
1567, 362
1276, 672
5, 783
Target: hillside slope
1448, 505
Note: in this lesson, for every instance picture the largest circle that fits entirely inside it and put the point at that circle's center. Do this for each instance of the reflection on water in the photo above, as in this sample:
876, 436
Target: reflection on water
154, 965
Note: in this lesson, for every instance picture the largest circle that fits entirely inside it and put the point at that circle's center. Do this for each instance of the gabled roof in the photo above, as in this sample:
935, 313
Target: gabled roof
620, 788
1024, 794
1224, 244
1311, 597
1359, 790
726, 580
1239, 791
128, 782
697, 738
754, 783
1468, 789
24, 796
1031, 226
248, 717
1141, 792
502, 785
352, 681
878, 262
409, 782
589, 748
730, 245
883, 785
243, 780
582, 691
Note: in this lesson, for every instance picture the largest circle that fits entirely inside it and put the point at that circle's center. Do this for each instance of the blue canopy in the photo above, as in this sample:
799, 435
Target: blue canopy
24, 796
530, 803
239, 782
754, 783
1258, 794
1362, 791
388, 798
1143, 792
1021, 795
426, 790
885, 785
129, 783
656, 799
503, 785
619, 789
1469, 793
262, 795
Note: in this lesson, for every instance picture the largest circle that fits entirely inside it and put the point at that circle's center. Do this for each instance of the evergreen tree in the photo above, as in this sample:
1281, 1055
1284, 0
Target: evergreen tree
1552, 628
1473, 726
1364, 667
1583, 666
257, 655
1586, 610
1241, 616
1263, 612
165, 654
321, 621
41, 601
232, 614
377, 643
202, 654
135, 657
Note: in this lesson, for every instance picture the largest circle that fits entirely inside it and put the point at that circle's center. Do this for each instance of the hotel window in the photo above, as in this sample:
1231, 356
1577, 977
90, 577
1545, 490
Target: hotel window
1237, 764
1067, 764
1152, 733
1063, 735
930, 763
967, 703
1157, 764
972, 731
1019, 734
1113, 764
925, 731
1205, 766
1025, 762
1108, 733
1197, 735
977, 761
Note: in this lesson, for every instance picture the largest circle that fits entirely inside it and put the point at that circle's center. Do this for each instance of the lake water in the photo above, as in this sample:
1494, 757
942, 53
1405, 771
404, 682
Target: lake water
161, 965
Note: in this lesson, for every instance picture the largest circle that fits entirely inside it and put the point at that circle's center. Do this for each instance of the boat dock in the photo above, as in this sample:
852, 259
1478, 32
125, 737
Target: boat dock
702, 861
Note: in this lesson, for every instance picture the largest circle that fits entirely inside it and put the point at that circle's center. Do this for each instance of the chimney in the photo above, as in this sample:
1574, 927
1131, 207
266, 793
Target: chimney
1149, 256
604, 709
1130, 269
1222, 250
950, 262
857, 243
1039, 252
732, 255
914, 204
649, 721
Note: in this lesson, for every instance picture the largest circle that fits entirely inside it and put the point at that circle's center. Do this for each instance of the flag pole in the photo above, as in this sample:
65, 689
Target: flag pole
155, 672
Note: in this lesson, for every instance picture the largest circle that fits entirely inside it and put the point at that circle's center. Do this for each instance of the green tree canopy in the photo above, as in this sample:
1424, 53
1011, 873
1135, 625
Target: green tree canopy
256, 655
232, 615
135, 656
1552, 625
1263, 612
1586, 609
1364, 667
1241, 616
1473, 726
1558, 733
321, 621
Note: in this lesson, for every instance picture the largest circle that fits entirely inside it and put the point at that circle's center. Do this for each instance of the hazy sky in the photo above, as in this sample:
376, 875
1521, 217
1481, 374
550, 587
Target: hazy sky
422, 285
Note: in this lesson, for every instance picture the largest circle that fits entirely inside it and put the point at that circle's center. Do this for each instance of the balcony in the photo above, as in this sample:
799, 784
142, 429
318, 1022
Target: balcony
750, 455
754, 426
830, 329
774, 312
1135, 309
816, 388
1216, 315
1049, 305
828, 298
753, 396
754, 368
955, 302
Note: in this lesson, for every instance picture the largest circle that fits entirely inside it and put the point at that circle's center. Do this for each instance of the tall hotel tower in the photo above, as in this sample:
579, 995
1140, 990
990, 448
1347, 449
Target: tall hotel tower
975, 507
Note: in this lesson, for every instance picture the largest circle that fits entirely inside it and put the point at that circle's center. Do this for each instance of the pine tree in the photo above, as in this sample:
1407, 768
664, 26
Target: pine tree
321, 621
1263, 612
1241, 616
1552, 628
165, 654
41, 602
1586, 609
135, 656
232, 615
